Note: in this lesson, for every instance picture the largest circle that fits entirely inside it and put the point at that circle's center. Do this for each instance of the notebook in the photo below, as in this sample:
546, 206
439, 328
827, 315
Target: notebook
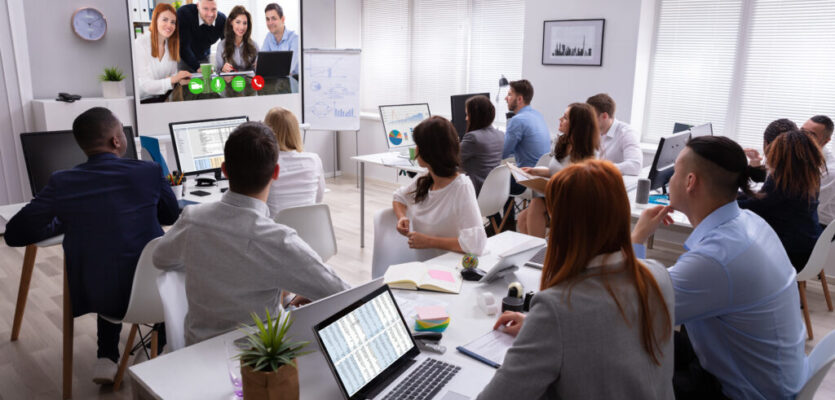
523, 178
419, 275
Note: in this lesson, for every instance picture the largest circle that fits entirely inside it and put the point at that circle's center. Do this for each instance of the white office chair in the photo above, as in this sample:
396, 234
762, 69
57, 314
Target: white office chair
823, 254
172, 291
390, 247
313, 225
820, 360
494, 194
144, 307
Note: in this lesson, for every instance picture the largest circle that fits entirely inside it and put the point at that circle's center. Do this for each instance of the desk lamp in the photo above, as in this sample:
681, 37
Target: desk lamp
502, 83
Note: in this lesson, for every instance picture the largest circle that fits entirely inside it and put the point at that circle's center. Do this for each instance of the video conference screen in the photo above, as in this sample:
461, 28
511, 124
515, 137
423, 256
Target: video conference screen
245, 54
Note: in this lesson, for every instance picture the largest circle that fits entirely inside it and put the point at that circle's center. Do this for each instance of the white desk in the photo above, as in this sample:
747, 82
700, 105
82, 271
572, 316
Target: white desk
200, 372
388, 159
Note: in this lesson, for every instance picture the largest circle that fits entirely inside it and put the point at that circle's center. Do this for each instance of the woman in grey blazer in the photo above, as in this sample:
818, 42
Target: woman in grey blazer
601, 326
481, 146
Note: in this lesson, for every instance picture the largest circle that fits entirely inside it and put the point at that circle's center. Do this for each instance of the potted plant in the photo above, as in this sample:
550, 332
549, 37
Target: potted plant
268, 360
112, 83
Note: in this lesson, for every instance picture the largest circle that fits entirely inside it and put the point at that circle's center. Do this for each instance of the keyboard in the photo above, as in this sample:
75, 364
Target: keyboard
425, 381
538, 260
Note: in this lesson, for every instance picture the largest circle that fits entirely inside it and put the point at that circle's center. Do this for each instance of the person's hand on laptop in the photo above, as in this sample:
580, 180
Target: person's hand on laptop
510, 322
299, 301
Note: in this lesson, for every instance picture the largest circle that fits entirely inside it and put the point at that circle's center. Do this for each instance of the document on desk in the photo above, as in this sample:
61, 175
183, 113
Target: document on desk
396, 162
489, 349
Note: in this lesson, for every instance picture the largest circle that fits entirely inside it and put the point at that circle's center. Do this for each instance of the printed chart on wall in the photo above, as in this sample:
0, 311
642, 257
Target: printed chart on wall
331, 89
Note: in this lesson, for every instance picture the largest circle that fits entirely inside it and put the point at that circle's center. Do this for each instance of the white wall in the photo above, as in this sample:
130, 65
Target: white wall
555, 87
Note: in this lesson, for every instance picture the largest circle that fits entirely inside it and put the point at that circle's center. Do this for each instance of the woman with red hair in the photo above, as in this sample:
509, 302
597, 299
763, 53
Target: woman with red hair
601, 325
157, 53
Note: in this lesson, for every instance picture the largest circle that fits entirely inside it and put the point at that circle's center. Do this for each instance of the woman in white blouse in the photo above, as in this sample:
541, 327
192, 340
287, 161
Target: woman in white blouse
579, 141
157, 53
439, 210
236, 52
301, 179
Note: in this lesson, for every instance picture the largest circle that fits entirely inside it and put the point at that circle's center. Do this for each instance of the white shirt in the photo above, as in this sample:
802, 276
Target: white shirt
301, 181
621, 145
154, 75
826, 207
555, 165
449, 212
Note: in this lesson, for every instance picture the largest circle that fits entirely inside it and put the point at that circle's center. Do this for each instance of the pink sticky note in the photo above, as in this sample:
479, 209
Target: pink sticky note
441, 275
429, 313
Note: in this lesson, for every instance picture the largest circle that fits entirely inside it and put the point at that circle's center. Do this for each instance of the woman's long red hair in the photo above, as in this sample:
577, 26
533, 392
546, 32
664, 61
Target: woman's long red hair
173, 41
592, 217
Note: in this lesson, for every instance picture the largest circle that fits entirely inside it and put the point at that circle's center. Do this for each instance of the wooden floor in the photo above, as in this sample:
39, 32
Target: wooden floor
30, 368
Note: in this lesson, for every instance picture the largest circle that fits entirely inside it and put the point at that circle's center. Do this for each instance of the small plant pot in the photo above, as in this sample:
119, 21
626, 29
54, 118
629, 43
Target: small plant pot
112, 89
282, 384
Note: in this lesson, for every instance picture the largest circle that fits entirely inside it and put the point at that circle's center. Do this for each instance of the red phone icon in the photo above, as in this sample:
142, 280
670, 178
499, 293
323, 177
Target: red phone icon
257, 82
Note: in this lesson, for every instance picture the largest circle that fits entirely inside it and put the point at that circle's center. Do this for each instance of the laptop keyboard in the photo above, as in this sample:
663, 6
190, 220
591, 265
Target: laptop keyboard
425, 381
538, 260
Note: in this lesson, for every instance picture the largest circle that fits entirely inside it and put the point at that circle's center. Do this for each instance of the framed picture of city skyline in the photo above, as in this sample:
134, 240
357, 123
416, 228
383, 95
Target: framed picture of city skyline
573, 42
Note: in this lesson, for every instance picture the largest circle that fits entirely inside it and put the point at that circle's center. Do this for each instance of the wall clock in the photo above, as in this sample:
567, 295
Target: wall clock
89, 23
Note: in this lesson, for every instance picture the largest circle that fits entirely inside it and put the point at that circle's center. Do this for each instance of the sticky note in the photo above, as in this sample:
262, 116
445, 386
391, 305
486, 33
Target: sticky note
431, 313
441, 275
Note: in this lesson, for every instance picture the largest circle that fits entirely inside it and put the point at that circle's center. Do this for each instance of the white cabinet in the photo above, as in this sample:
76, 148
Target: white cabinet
53, 115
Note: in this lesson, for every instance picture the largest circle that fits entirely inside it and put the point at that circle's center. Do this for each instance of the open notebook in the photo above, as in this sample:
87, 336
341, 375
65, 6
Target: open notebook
535, 183
419, 275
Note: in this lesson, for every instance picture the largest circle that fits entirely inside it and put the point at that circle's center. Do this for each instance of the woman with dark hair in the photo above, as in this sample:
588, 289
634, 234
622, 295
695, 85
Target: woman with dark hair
601, 326
157, 53
236, 52
580, 141
755, 159
439, 210
481, 146
788, 200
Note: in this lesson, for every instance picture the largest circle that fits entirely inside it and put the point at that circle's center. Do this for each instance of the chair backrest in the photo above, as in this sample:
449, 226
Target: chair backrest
172, 290
822, 254
820, 360
494, 191
145, 304
313, 225
544, 160
390, 247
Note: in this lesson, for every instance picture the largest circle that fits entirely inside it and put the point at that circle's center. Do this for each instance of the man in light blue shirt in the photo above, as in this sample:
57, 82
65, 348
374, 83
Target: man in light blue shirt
280, 38
735, 286
527, 137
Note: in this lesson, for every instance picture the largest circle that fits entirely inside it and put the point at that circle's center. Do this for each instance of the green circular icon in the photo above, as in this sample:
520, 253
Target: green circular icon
195, 85
218, 84
238, 83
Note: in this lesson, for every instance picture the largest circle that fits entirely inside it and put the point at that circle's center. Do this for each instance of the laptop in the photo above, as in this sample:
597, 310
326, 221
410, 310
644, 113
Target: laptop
274, 64
513, 250
538, 259
372, 354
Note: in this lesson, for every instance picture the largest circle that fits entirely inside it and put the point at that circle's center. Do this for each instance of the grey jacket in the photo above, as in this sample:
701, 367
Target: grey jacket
586, 350
481, 151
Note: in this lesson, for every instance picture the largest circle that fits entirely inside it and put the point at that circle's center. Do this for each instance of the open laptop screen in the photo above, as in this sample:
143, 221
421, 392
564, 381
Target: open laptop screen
365, 342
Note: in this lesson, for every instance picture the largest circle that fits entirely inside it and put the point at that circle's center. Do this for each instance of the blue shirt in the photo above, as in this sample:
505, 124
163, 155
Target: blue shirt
289, 42
527, 137
736, 292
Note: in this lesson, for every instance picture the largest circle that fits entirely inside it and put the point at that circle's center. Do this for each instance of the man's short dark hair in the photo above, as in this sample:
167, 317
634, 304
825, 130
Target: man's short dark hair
828, 126
724, 164
275, 7
251, 154
523, 88
775, 128
93, 127
602, 103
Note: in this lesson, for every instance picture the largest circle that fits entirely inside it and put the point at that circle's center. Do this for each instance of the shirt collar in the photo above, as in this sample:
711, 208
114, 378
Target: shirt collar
524, 109
243, 201
606, 259
102, 156
612, 128
718, 217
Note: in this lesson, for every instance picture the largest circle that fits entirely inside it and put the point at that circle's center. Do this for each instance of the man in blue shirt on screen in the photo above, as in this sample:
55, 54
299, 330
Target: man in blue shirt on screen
280, 38
735, 288
527, 137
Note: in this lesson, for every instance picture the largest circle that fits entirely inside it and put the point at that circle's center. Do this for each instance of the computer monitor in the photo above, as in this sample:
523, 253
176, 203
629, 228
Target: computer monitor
198, 145
459, 112
702, 130
665, 158
680, 127
399, 123
47, 152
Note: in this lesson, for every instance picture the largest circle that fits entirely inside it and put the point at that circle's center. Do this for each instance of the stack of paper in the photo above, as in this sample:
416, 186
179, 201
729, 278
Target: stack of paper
433, 318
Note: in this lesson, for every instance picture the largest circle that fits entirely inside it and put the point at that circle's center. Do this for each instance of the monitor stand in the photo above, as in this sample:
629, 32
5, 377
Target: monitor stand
219, 176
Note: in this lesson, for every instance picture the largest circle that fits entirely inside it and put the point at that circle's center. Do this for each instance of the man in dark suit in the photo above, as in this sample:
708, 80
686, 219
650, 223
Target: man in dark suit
201, 25
108, 209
